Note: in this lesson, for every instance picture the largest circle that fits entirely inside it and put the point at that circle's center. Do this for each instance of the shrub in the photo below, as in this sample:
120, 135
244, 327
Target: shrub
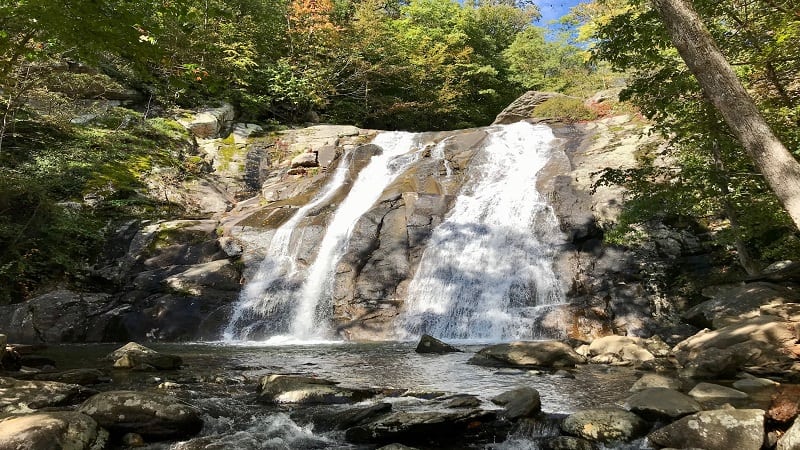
568, 109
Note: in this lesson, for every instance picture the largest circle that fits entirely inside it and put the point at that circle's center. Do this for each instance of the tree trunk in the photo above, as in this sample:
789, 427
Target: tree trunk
720, 84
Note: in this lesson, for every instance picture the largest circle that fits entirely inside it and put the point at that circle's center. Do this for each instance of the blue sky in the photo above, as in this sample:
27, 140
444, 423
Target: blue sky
553, 9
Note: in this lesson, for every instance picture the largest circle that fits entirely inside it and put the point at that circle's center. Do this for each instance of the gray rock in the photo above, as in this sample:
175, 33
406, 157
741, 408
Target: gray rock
519, 402
605, 425
723, 429
735, 302
83, 377
52, 430
653, 380
420, 426
305, 159
791, 439
231, 246
709, 391
764, 341
58, 316
19, 396
429, 344
297, 389
522, 108
662, 403
611, 349
753, 384
568, 443
197, 279
548, 354
133, 355
209, 122
153, 416
459, 401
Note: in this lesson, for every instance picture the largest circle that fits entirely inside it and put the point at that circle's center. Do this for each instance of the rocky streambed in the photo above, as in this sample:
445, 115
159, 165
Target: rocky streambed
616, 392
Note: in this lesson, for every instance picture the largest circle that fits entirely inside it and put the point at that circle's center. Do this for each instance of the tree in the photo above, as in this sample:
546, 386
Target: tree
721, 85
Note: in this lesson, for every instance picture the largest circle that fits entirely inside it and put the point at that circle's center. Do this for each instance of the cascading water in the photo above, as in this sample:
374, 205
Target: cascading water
486, 273
314, 309
271, 288
297, 301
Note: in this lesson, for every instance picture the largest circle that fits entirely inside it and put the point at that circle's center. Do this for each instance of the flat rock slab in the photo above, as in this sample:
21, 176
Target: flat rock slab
662, 403
605, 425
420, 427
654, 380
153, 416
710, 391
307, 391
722, 429
53, 430
547, 354
20, 396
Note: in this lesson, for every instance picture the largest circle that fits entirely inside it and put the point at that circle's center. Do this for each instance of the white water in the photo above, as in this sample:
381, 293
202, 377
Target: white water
313, 312
487, 272
269, 289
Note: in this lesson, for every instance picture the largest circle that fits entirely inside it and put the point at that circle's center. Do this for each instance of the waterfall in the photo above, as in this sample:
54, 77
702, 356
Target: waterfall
487, 273
270, 289
314, 309
297, 301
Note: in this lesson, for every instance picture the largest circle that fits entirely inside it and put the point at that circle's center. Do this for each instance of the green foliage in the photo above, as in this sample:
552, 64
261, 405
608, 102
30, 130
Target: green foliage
704, 173
569, 109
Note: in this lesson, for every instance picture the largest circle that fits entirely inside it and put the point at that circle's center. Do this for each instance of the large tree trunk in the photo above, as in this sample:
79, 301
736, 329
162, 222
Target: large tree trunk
720, 84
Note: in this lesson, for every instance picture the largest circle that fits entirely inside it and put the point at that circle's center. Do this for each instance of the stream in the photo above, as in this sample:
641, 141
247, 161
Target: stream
221, 379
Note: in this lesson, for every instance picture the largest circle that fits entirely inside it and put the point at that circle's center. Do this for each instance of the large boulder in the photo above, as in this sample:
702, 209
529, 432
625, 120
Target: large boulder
298, 389
662, 403
791, 439
765, 341
153, 416
619, 348
520, 402
723, 429
429, 344
605, 425
546, 354
522, 107
51, 431
20, 396
136, 356
732, 303
209, 122
421, 427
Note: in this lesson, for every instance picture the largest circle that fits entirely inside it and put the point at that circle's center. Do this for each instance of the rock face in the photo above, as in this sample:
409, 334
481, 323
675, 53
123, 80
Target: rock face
724, 429
153, 416
732, 303
604, 425
59, 316
522, 108
547, 354
429, 344
53, 430
297, 389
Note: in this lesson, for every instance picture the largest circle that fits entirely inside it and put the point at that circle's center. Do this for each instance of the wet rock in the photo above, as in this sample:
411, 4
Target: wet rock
653, 380
307, 390
764, 341
52, 430
153, 416
133, 355
199, 278
460, 401
605, 425
661, 403
426, 427
429, 344
732, 303
568, 443
519, 402
547, 354
337, 418
709, 391
19, 396
723, 429
133, 440
83, 377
